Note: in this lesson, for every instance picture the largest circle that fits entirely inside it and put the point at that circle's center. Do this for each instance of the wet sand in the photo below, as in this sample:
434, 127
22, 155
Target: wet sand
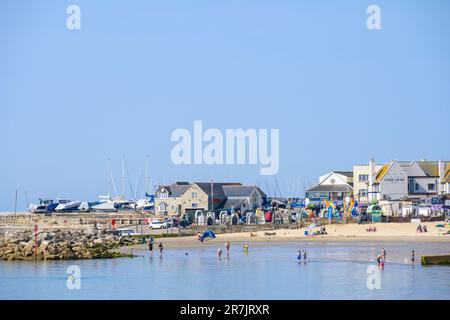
393, 232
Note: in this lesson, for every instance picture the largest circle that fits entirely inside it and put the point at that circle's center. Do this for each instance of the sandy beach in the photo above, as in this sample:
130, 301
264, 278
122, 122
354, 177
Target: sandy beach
339, 232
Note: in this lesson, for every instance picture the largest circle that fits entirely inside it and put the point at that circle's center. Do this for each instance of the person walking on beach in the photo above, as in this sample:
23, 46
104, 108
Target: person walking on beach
160, 246
413, 254
299, 256
227, 246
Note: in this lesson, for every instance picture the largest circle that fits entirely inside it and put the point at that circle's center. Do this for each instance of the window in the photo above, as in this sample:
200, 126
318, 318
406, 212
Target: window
363, 192
163, 194
431, 187
194, 195
363, 177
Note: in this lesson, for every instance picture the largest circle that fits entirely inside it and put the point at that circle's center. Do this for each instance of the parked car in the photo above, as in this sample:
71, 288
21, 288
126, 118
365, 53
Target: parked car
121, 232
127, 232
158, 225
175, 222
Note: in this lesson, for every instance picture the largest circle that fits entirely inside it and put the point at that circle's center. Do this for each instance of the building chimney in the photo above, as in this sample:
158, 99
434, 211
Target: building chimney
440, 185
371, 180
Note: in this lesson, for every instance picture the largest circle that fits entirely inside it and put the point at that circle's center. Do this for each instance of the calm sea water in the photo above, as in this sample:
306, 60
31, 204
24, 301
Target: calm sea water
333, 271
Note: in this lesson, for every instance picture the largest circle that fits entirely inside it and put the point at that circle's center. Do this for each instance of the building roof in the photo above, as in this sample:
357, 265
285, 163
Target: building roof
446, 178
176, 189
345, 173
233, 203
241, 190
330, 188
430, 168
382, 172
216, 187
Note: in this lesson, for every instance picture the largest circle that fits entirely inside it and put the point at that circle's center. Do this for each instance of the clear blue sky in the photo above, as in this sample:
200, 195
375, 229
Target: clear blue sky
339, 93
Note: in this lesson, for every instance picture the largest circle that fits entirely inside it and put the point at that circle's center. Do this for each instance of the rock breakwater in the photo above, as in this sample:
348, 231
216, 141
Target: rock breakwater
63, 245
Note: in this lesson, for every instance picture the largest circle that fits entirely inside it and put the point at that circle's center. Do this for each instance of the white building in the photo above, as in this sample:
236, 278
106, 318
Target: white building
336, 186
398, 180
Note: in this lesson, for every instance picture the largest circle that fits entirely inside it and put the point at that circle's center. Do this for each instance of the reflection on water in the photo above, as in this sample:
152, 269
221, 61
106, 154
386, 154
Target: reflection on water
335, 270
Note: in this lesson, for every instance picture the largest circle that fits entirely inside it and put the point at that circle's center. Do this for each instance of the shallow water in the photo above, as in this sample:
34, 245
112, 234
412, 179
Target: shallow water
334, 270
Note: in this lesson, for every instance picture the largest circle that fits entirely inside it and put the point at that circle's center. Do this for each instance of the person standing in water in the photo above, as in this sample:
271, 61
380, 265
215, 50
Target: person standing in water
299, 256
219, 253
150, 246
227, 246
304, 255
160, 246
383, 254
378, 260
413, 256
245, 248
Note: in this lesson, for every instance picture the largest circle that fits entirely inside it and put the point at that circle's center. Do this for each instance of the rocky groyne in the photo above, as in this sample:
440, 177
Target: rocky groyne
63, 245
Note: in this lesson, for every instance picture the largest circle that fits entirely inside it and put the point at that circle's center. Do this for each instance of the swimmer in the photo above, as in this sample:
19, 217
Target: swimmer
227, 246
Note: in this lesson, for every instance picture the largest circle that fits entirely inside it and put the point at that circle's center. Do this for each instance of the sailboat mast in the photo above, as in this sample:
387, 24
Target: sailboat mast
109, 176
146, 176
123, 178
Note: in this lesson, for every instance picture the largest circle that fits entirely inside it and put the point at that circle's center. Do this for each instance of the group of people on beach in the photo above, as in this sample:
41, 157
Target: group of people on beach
227, 248
301, 254
421, 228
381, 258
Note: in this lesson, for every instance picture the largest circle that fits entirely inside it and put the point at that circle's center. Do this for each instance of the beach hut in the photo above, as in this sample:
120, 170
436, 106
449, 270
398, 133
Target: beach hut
251, 218
210, 218
375, 212
261, 219
224, 218
200, 218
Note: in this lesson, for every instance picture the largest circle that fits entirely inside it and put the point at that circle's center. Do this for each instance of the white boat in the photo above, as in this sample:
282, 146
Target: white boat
42, 207
68, 206
106, 205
